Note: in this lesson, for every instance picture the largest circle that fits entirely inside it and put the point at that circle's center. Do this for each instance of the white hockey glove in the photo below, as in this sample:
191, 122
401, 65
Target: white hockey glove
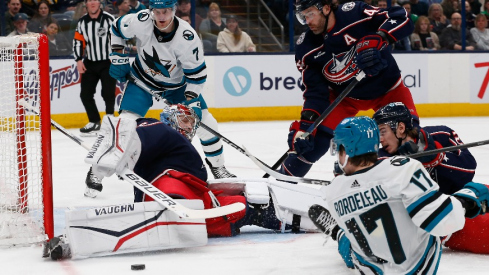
117, 146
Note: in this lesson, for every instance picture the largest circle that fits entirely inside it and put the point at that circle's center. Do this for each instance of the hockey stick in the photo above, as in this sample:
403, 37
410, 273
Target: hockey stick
448, 149
148, 188
283, 177
207, 128
323, 116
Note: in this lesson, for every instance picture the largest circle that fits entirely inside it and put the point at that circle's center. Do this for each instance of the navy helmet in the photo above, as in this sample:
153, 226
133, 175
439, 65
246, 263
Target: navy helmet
162, 4
393, 113
302, 5
358, 135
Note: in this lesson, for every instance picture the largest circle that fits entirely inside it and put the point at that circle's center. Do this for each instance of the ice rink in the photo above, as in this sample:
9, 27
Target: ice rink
255, 251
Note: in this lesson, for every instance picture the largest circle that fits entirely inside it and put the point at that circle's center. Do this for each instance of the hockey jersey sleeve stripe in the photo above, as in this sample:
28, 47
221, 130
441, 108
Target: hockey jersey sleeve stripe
198, 80
416, 206
195, 71
441, 212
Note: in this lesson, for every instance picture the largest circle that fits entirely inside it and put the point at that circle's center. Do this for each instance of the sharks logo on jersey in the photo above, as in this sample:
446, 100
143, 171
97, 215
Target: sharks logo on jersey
143, 16
188, 35
155, 66
341, 67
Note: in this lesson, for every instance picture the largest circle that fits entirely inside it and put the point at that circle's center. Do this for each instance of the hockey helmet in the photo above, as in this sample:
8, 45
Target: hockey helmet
393, 113
181, 118
358, 135
162, 4
302, 5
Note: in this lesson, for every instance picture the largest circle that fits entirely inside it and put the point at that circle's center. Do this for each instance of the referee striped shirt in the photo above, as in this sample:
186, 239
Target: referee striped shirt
93, 36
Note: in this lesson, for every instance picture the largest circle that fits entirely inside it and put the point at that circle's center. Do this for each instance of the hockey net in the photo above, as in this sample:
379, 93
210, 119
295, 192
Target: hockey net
26, 210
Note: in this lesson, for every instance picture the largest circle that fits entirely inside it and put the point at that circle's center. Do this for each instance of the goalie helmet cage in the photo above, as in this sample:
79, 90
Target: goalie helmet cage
26, 200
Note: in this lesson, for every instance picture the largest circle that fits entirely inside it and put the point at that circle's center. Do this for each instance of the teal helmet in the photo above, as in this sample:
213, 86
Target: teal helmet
358, 135
162, 4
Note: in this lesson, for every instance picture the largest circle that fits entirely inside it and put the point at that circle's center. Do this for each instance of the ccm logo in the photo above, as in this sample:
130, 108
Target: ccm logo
118, 61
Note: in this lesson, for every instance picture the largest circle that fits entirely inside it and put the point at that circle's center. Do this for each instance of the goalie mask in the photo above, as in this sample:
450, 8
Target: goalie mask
181, 118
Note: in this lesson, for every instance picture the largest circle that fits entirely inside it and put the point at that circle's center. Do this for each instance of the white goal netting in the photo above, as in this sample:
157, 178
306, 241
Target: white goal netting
22, 211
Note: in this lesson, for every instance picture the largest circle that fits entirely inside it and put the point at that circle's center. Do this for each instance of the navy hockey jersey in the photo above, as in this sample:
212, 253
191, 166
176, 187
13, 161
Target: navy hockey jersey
327, 60
164, 148
457, 168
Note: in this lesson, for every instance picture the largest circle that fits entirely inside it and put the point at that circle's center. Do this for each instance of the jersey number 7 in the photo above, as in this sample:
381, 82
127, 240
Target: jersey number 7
369, 219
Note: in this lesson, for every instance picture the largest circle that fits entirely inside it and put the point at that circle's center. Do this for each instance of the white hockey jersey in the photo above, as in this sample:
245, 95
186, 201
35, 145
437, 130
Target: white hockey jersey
166, 61
393, 215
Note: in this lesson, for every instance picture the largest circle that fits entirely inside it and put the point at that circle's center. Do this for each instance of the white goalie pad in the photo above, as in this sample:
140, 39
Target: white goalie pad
117, 146
288, 199
132, 227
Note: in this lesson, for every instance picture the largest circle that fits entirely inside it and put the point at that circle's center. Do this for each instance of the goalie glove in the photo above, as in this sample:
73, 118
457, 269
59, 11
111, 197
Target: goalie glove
193, 101
474, 198
117, 146
119, 67
368, 57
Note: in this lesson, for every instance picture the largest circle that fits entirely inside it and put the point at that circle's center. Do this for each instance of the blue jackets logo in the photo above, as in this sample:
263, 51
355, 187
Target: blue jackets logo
237, 81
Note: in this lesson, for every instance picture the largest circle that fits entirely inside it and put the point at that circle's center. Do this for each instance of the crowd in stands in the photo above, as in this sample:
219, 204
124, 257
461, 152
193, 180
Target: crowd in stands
438, 24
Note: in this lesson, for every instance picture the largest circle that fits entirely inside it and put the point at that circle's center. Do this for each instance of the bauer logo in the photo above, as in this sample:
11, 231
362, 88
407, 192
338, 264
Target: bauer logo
237, 81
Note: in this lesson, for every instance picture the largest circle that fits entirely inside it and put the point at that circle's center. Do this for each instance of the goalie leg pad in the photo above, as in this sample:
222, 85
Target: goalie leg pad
117, 146
132, 228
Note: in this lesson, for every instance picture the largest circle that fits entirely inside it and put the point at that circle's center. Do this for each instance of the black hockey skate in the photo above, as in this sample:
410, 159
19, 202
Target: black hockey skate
323, 220
94, 185
91, 129
58, 248
219, 172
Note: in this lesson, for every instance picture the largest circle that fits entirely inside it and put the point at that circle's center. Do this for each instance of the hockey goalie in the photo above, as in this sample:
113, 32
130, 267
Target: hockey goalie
161, 153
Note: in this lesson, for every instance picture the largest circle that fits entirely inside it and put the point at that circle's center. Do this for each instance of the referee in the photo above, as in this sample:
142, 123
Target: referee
92, 41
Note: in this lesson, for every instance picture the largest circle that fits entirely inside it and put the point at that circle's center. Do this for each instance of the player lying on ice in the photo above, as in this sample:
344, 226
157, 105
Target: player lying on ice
390, 214
451, 170
161, 152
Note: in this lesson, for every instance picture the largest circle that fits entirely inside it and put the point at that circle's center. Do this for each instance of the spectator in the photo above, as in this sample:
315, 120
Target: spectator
79, 11
42, 17
184, 7
58, 44
13, 7
481, 33
212, 25
91, 46
451, 37
419, 7
422, 38
469, 16
486, 8
30, 7
407, 6
382, 4
449, 7
20, 24
233, 40
185, 17
67, 5
123, 7
475, 6
438, 20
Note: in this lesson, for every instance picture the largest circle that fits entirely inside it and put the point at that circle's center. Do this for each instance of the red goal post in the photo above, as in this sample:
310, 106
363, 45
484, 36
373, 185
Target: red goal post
26, 200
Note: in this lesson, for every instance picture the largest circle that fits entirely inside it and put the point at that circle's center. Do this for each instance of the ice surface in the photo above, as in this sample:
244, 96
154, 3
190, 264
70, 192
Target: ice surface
255, 251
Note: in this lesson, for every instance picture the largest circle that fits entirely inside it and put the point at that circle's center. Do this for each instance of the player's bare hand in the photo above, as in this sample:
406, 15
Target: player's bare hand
80, 66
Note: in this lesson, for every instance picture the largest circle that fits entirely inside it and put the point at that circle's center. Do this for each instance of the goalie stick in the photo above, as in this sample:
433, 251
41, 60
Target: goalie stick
147, 187
283, 177
323, 116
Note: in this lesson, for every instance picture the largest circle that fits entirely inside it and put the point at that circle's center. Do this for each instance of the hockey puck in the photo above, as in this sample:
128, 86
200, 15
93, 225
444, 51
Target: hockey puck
138, 267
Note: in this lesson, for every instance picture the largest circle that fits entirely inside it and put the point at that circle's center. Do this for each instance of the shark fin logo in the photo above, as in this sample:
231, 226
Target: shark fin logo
155, 65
